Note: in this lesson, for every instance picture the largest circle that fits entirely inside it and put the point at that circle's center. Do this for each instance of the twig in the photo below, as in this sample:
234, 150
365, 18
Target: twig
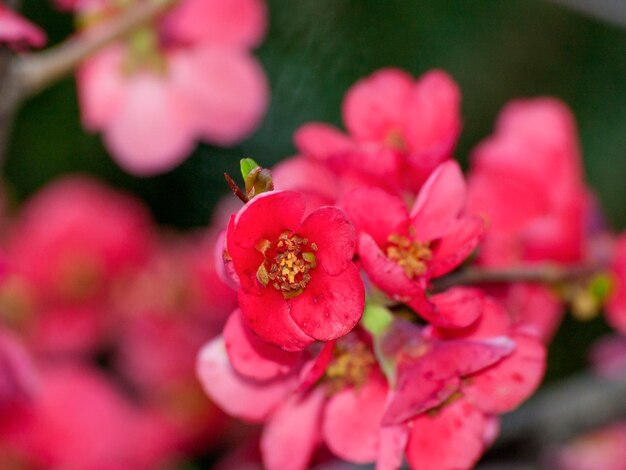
611, 11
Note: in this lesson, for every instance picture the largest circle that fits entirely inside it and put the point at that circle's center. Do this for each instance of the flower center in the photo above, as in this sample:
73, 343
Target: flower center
351, 366
409, 254
287, 263
395, 141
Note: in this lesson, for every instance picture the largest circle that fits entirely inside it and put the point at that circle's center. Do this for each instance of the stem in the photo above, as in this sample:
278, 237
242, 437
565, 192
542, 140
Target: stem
37, 71
537, 273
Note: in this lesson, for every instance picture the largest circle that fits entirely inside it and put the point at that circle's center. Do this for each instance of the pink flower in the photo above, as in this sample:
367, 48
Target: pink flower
399, 129
18, 32
401, 251
603, 449
18, 379
193, 79
527, 180
616, 304
297, 280
81, 421
71, 241
337, 397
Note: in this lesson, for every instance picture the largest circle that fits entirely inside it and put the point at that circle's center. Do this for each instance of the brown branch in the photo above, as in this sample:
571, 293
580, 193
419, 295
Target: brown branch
36, 71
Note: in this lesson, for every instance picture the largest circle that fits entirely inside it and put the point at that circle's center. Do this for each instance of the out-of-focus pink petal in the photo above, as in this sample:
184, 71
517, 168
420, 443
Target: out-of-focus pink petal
454, 248
101, 88
252, 357
309, 177
226, 91
352, 419
293, 432
433, 121
535, 307
267, 314
375, 212
247, 399
616, 304
385, 273
393, 440
330, 306
608, 357
457, 307
375, 105
314, 370
18, 32
153, 130
439, 202
450, 440
493, 321
322, 141
335, 237
505, 385
238, 23
18, 379
267, 215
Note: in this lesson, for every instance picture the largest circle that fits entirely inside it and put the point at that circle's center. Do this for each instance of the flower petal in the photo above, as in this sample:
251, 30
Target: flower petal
453, 439
439, 202
293, 432
267, 315
226, 89
335, 237
322, 141
330, 306
457, 307
352, 420
267, 215
375, 105
246, 399
393, 440
375, 212
454, 248
505, 385
252, 357
385, 273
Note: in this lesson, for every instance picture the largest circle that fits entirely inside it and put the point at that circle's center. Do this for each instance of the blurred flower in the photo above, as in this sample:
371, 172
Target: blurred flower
188, 77
17, 32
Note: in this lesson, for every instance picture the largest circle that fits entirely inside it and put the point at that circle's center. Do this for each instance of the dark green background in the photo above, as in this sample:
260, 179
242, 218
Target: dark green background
315, 49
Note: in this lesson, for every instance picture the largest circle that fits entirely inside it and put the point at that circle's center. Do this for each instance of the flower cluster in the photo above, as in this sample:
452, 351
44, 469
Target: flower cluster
355, 327
101, 317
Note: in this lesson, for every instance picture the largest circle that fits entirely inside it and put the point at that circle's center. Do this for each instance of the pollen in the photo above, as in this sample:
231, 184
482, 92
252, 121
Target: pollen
410, 255
287, 263
351, 366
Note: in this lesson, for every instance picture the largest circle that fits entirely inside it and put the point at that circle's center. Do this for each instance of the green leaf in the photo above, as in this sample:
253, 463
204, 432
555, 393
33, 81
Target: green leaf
247, 165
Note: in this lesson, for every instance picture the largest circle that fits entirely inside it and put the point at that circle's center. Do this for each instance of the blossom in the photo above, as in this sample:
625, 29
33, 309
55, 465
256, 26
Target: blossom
616, 304
399, 129
401, 251
73, 239
297, 280
188, 77
527, 181
18, 32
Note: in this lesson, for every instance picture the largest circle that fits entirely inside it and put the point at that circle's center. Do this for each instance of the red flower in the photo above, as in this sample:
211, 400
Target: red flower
297, 280
18, 32
401, 251
399, 129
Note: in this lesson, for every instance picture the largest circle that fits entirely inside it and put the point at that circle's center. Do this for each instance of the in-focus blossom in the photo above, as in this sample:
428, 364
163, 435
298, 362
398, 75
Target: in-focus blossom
297, 280
399, 129
527, 181
71, 241
17, 32
402, 252
188, 77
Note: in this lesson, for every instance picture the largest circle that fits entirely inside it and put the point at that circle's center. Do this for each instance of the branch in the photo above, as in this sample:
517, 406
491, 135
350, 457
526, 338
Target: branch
536, 273
611, 11
36, 71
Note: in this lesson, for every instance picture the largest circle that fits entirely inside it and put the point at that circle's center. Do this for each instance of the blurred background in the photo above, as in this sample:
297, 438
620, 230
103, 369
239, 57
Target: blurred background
315, 49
